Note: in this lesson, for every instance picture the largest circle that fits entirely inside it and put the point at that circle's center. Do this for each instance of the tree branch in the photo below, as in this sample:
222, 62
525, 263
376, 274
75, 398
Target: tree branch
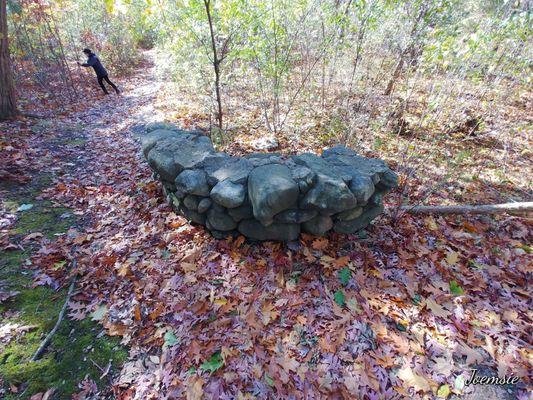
48, 338
470, 209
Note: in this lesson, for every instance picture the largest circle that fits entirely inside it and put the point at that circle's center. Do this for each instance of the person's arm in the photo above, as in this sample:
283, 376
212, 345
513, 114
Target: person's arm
90, 62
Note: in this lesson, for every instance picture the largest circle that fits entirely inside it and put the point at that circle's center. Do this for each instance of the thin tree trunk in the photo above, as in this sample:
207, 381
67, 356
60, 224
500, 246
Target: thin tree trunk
413, 37
8, 105
216, 63
395, 74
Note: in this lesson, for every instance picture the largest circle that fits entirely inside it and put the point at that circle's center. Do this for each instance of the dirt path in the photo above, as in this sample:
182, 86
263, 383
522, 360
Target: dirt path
65, 151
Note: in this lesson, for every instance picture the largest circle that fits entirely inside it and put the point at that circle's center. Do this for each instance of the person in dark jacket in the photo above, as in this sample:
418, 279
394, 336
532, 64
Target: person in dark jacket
101, 73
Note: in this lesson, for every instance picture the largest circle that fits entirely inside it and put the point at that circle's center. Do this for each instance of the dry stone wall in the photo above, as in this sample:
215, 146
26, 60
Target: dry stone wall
266, 196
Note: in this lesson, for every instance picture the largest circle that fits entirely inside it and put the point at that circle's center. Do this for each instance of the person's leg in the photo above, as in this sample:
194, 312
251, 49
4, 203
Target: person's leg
101, 83
112, 84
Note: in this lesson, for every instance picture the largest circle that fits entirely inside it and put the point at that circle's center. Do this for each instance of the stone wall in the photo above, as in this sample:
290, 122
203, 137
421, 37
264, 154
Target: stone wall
266, 196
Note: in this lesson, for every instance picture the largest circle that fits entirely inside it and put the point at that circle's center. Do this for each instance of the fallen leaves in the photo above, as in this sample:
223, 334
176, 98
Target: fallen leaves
418, 382
194, 389
99, 313
472, 356
437, 309
321, 315
268, 313
452, 257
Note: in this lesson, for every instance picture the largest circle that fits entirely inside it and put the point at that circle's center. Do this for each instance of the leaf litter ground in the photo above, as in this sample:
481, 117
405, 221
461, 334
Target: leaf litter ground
403, 313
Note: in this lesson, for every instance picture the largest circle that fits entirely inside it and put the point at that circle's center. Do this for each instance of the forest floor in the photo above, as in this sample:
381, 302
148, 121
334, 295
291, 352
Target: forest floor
163, 309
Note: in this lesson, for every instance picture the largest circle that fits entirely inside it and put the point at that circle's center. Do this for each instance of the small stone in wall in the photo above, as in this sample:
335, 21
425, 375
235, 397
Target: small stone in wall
228, 194
192, 182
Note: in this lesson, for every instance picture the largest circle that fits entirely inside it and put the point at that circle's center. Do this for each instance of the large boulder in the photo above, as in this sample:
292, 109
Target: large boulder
171, 155
329, 196
305, 177
149, 140
271, 190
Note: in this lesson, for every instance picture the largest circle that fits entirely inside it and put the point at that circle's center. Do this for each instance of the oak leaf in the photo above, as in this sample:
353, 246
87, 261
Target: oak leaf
412, 379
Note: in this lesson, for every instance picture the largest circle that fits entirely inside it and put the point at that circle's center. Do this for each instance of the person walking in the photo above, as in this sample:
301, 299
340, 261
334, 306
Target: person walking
101, 73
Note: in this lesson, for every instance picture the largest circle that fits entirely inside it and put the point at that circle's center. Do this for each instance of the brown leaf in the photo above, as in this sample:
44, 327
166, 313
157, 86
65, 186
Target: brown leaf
414, 380
472, 356
437, 309
195, 389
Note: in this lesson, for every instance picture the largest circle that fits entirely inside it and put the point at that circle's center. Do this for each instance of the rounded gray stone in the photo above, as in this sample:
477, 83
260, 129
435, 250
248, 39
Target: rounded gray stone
235, 169
204, 205
243, 212
295, 216
192, 181
223, 234
228, 194
253, 229
388, 181
376, 198
318, 226
354, 225
349, 214
191, 202
329, 196
271, 190
362, 187
192, 215
220, 221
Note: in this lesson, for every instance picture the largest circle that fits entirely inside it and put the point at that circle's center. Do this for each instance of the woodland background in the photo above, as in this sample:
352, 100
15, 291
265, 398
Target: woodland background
440, 89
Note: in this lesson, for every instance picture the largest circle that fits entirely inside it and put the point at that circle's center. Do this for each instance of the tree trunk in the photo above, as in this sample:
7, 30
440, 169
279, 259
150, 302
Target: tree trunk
216, 63
395, 75
8, 106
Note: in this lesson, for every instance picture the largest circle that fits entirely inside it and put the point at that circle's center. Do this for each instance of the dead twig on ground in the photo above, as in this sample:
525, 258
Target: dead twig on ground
48, 338
470, 209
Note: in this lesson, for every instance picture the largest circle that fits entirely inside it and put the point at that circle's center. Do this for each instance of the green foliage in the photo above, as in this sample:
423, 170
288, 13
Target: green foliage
455, 289
66, 361
344, 275
269, 381
214, 363
170, 339
443, 391
339, 298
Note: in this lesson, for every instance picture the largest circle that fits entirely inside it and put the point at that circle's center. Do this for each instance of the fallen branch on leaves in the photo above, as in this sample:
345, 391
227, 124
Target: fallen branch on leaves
469, 209
48, 337
35, 116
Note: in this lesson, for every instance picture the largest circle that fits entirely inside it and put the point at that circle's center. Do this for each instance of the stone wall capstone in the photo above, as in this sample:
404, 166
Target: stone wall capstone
266, 196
